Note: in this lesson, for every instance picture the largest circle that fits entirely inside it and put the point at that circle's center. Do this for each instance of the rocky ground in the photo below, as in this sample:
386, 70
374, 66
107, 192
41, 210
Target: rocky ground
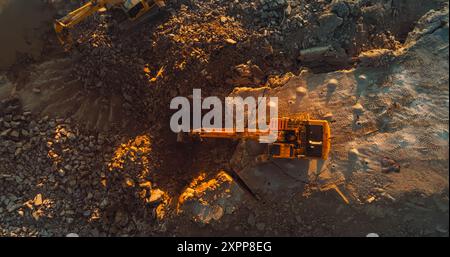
86, 147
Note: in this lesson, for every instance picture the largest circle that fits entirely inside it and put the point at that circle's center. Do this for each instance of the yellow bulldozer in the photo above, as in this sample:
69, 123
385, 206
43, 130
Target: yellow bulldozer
130, 11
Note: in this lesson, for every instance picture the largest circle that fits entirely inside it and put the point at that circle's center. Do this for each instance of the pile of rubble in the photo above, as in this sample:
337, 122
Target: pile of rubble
55, 176
345, 27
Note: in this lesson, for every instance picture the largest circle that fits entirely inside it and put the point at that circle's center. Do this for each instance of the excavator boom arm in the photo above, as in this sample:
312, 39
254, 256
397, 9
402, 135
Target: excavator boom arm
230, 133
73, 18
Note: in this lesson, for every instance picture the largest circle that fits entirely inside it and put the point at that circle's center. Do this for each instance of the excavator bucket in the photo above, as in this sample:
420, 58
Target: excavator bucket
63, 34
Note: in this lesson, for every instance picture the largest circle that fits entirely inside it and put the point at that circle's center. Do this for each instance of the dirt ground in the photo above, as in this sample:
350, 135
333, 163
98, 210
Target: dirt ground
86, 148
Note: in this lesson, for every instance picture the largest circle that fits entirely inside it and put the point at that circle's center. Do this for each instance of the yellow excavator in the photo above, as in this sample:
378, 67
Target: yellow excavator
132, 10
296, 138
